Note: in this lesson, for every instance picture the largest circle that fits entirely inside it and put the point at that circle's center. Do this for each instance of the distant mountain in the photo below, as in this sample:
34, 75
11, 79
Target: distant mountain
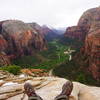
59, 31
48, 33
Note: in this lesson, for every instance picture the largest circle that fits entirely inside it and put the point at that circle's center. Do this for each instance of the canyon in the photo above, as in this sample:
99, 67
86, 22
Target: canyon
12, 88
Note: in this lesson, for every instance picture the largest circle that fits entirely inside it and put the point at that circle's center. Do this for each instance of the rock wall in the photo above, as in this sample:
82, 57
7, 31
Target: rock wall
88, 30
48, 33
92, 50
76, 32
18, 38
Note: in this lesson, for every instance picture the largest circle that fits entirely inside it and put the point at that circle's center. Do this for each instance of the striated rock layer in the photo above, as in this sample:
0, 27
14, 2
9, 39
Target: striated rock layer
88, 30
92, 51
18, 38
12, 88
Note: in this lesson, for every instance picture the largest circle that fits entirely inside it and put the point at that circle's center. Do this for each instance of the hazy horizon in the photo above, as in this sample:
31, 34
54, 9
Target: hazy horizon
54, 13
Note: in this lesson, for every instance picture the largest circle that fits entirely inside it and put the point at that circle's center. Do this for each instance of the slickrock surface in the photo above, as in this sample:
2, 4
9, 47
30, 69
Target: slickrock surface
76, 32
46, 87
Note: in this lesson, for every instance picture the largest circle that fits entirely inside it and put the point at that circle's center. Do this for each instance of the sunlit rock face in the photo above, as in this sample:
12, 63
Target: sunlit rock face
88, 30
18, 38
12, 87
91, 18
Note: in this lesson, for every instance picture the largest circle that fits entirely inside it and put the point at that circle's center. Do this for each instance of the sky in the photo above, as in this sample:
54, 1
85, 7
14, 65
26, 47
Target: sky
54, 13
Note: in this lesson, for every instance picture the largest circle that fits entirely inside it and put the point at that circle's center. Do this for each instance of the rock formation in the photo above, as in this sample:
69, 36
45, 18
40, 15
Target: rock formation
76, 32
88, 30
18, 38
12, 88
88, 18
48, 33
92, 50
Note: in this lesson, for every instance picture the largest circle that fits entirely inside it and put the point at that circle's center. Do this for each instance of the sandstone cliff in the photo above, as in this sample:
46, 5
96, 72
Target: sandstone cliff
76, 32
18, 38
88, 30
88, 18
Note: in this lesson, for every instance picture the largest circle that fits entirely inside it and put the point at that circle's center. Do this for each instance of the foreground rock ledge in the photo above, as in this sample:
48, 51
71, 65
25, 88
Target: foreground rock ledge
47, 87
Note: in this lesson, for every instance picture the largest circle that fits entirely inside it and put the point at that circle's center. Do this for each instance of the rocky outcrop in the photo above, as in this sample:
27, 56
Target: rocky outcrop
91, 18
18, 38
5, 75
12, 88
88, 30
35, 72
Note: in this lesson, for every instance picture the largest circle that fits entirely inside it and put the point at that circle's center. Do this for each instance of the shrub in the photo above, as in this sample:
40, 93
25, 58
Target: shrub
12, 69
81, 78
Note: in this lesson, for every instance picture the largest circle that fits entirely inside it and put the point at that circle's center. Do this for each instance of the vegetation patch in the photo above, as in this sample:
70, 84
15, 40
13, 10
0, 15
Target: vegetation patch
12, 69
72, 71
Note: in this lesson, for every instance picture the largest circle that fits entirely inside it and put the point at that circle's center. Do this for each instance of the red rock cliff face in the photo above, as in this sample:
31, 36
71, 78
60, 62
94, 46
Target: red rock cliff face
92, 50
88, 30
4, 59
77, 32
3, 44
82, 29
18, 38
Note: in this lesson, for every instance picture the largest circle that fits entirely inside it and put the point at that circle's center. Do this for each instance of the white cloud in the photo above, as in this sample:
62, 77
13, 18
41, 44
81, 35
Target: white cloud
56, 13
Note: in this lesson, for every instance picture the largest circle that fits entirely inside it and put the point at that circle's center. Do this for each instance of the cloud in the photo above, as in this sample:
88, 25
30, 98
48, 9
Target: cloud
56, 13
